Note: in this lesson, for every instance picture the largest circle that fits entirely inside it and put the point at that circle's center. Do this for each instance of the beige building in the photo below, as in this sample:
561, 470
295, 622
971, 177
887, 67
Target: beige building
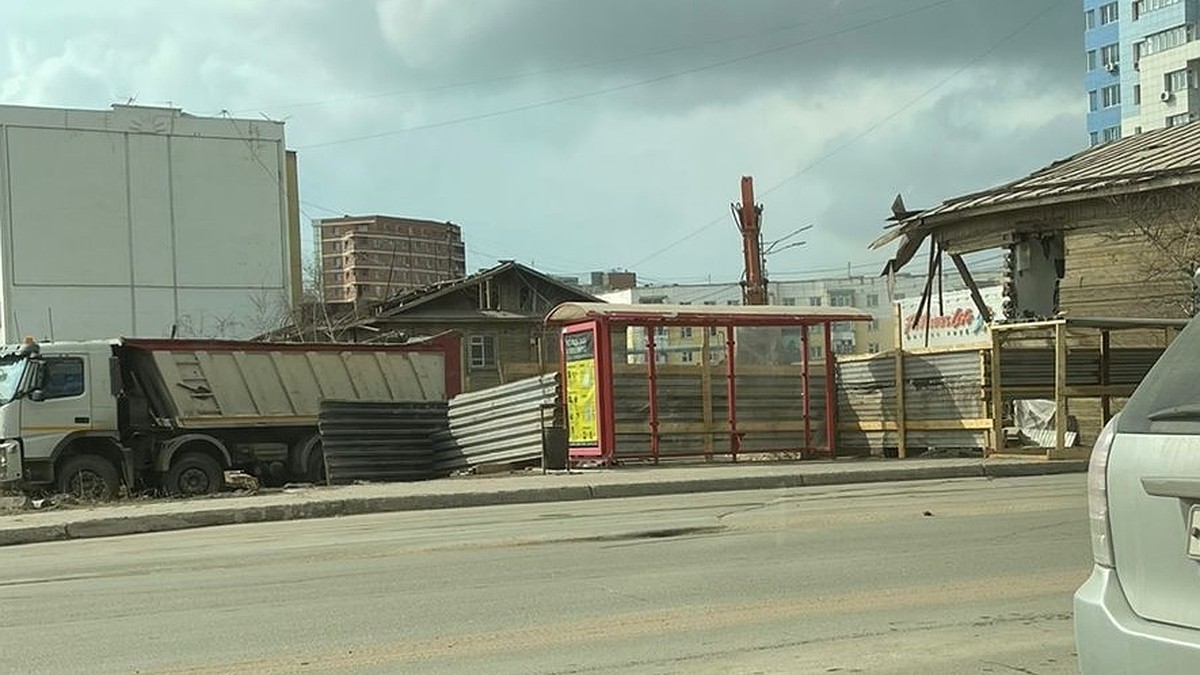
365, 258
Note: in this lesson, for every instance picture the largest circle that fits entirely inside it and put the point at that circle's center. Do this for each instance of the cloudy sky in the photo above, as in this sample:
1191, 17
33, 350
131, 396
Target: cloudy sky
584, 134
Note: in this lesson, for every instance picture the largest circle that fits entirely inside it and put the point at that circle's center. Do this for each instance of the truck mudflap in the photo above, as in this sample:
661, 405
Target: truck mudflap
11, 462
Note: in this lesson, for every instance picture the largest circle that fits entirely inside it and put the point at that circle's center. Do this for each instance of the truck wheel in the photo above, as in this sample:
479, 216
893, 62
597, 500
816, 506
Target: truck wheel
194, 473
89, 478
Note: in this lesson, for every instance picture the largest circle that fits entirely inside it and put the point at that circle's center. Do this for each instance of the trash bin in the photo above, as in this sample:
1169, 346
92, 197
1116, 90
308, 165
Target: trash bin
554, 449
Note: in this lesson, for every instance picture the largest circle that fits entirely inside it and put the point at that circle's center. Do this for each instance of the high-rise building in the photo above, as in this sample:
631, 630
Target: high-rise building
366, 258
1142, 59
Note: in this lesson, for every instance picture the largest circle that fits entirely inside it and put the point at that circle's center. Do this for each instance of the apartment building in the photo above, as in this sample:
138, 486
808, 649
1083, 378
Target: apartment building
368, 258
1142, 59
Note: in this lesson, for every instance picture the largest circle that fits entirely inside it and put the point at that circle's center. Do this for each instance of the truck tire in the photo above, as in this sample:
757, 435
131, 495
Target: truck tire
314, 469
194, 473
89, 478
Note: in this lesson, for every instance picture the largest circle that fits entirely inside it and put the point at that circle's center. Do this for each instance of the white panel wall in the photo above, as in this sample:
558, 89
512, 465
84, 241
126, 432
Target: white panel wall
132, 221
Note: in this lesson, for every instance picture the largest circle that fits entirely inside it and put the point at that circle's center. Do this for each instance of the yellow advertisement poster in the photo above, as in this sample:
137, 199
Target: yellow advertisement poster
583, 425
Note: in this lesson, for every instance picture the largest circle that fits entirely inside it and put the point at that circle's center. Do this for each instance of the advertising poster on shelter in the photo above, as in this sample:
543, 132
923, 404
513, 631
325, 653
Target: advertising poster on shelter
582, 402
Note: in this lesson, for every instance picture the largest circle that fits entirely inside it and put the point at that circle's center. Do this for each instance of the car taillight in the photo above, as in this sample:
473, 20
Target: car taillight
1097, 494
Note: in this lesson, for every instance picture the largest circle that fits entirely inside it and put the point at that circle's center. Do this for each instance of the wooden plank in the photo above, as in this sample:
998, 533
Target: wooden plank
901, 408
980, 424
1105, 401
1060, 385
976, 296
1074, 391
700, 428
997, 395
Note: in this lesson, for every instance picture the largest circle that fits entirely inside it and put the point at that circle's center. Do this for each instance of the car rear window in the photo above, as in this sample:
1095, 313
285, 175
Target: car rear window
1168, 399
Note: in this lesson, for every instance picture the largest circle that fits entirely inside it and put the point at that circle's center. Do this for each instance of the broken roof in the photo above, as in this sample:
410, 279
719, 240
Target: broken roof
403, 302
1148, 161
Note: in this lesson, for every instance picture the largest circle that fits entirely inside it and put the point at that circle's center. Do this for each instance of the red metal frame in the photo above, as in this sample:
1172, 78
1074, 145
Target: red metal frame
603, 373
735, 441
806, 388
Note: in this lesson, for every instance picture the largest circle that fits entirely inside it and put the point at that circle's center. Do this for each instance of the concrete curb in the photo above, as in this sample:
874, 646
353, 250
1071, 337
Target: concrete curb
254, 513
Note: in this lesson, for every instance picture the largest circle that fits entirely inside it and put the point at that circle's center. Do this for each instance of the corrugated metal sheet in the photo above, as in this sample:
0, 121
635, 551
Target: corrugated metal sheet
502, 424
380, 442
1035, 366
938, 387
769, 401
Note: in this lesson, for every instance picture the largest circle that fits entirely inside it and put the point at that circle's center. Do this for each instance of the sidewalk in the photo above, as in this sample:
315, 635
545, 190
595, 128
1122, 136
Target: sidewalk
26, 527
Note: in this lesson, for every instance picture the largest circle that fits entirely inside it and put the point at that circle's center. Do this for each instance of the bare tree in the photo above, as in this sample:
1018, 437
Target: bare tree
1168, 223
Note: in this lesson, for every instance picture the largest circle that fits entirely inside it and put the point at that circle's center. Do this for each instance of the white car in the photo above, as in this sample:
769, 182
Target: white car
1139, 612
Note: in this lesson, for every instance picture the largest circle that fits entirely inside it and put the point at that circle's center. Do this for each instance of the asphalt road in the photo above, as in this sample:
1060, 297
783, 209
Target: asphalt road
834, 580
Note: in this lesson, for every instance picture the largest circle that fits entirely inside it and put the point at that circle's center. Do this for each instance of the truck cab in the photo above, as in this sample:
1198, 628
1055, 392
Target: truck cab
57, 405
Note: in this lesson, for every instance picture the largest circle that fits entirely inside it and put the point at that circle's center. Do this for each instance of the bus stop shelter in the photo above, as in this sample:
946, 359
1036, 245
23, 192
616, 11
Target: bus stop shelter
654, 382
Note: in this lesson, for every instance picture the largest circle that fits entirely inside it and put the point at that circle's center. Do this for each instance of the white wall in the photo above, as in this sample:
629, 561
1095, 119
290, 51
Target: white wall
134, 220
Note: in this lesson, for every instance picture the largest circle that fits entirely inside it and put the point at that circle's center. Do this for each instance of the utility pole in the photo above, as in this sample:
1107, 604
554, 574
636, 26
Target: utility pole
749, 220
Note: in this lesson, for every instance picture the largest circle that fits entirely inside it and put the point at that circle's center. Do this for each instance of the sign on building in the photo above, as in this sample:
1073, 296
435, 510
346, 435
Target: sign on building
956, 323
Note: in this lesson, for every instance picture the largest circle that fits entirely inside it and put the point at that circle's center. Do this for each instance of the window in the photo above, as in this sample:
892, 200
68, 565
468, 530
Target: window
873, 348
686, 332
712, 330
1094, 138
789, 302
1089, 18
660, 332
1093, 101
873, 326
814, 301
1108, 13
1177, 80
1137, 130
1110, 96
1176, 120
687, 357
1110, 55
872, 300
62, 377
1163, 41
842, 299
483, 351
1137, 94
733, 302
816, 352
1091, 59
1142, 6
710, 302
1112, 134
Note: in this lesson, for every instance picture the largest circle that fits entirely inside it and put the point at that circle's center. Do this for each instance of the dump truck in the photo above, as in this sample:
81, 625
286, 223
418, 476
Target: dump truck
87, 418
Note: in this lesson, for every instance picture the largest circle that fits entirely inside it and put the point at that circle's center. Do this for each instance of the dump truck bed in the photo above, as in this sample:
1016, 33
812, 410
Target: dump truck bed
212, 383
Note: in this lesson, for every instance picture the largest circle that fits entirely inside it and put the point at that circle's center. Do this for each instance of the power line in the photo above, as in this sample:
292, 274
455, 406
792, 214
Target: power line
629, 85
864, 133
562, 69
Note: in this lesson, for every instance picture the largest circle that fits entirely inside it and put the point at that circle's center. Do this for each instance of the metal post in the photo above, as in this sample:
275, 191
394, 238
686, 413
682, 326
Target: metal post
731, 393
652, 388
830, 393
807, 390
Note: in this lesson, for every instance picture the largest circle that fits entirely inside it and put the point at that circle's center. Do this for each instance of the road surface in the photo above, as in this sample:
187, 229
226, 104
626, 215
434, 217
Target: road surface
963, 576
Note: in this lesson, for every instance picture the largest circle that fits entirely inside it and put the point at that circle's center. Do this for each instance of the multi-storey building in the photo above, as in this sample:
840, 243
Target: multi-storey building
365, 258
1142, 59
870, 293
